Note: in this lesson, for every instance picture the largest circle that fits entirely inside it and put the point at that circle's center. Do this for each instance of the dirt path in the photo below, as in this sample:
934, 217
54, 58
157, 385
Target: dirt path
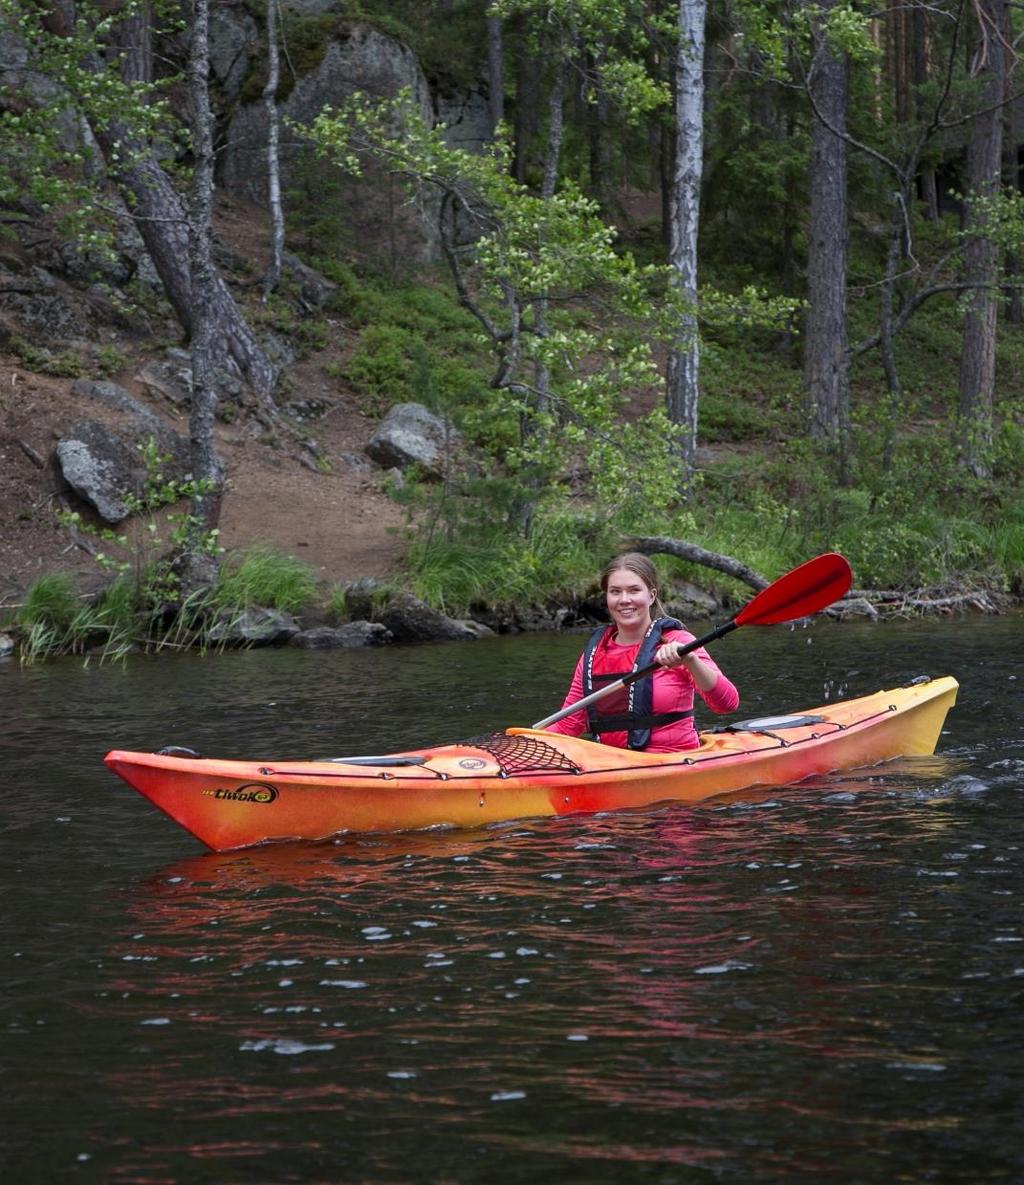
338, 521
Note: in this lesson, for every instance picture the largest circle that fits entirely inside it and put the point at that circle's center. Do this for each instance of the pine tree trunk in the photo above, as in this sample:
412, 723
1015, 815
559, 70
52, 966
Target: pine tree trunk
162, 222
1012, 264
984, 168
207, 469
927, 187
826, 365
527, 99
683, 377
135, 40
495, 70
597, 128
902, 60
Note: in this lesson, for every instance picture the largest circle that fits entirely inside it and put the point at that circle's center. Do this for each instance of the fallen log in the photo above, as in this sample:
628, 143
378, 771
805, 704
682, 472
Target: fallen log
861, 602
662, 544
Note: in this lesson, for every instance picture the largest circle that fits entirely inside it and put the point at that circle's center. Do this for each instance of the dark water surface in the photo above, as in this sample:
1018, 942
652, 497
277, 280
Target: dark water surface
823, 984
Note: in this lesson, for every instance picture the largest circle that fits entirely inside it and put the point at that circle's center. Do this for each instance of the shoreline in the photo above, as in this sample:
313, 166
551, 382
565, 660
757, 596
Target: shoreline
380, 614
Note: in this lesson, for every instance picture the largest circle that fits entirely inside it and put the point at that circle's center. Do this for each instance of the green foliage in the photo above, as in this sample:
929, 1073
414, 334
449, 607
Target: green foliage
262, 576
560, 554
109, 360
56, 620
747, 395
63, 364
337, 604
616, 33
144, 595
51, 600
532, 281
282, 314
43, 157
414, 343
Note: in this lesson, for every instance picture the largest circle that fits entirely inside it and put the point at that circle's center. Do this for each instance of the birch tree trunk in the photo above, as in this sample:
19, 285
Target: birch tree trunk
683, 376
273, 276
826, 364
556, 123
198, 565
981, 264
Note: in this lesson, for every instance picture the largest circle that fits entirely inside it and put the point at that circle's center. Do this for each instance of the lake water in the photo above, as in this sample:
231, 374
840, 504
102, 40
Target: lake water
823, 984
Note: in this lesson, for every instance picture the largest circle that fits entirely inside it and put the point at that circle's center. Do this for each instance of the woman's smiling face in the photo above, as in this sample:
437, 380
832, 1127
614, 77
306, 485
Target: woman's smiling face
629, 600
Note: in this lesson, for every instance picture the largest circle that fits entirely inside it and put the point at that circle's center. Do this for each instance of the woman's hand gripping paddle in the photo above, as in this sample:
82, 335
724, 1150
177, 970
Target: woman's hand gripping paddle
806, 590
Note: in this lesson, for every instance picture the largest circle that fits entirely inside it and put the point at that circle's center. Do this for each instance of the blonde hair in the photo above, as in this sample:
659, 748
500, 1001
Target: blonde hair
641, 566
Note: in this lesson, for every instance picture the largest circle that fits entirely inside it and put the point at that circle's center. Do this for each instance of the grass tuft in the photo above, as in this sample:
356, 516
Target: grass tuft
262, 576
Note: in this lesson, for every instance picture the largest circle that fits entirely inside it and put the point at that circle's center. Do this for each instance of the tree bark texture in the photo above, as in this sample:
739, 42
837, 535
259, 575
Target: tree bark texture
556, 124
927, 186
135, 39
273, 276
598, 142
207, 469
826, 373
981, 262
664, 545
162, 222
495, 70
683, 374
901, 58
1013, 266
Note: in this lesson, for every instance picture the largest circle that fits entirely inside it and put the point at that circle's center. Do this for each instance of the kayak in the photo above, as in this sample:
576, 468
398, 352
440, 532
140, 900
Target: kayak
523, 773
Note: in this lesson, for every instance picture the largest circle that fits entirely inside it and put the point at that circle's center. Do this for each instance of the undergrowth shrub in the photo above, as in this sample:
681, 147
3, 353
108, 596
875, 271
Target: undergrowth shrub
560, 554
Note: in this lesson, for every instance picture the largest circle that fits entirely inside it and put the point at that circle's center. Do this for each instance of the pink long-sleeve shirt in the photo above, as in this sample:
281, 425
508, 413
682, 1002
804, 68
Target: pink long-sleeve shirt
673, 692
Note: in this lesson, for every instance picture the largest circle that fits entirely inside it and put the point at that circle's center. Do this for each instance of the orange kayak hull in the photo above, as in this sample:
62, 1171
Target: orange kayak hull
523, 773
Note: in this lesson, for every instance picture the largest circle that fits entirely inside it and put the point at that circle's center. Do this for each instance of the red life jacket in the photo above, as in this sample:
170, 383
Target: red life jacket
625, 717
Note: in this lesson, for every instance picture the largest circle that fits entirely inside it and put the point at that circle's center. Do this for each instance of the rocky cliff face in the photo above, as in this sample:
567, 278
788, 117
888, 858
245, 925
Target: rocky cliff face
355, 58
67, 314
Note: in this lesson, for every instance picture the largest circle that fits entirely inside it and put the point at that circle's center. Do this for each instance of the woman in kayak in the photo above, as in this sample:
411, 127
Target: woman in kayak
655, 713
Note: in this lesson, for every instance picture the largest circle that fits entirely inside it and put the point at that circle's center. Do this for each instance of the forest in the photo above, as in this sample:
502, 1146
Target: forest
733, 283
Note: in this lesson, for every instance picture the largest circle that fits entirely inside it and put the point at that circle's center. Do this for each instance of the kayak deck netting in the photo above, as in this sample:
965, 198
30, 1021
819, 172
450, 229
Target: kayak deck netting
524, 773
523, 755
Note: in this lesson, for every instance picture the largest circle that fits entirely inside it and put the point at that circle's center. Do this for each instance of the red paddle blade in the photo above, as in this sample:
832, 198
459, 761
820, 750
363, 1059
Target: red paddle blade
805, 590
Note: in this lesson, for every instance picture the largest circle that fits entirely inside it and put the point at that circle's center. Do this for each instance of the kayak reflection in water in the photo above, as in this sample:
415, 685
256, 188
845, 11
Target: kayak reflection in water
654, 713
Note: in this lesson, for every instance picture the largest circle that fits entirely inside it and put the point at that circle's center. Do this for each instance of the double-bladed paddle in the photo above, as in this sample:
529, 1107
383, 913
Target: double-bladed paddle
805, 590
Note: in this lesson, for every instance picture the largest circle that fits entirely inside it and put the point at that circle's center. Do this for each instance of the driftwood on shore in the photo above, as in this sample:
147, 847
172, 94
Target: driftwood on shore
984, 597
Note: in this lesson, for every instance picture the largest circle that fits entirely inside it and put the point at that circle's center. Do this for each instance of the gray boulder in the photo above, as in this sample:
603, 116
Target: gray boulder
466, 117
315, 290
254, 627
690, 603
410, 620
171, 378
102, 468
410, 434
106, 467
234, 38
349, 636
142, 424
